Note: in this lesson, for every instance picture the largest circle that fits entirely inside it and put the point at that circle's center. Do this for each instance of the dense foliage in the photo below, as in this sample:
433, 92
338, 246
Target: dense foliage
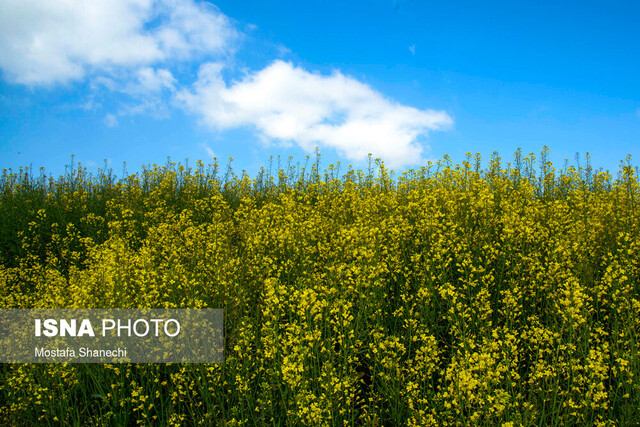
449, 295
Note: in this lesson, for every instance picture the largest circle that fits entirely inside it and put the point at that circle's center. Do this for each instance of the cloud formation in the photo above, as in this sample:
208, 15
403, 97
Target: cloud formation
149, 80
48, 42
135, 49
289, 104
110, 120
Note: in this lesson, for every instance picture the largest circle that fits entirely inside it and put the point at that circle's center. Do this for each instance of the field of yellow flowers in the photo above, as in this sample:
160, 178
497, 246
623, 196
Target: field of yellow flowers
504, 294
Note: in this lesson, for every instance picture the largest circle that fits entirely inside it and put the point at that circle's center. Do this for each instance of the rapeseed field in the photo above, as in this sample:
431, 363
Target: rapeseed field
505, 293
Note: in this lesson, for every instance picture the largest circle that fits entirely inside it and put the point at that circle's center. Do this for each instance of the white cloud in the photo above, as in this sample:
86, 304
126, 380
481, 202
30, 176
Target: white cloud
289, 104
135, 47
208, 149
150, 80
192, 28
283, 50
56, 41
147, 92
412, 49
110, 120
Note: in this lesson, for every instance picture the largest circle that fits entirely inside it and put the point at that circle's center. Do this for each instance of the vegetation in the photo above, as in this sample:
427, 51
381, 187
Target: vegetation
449, 295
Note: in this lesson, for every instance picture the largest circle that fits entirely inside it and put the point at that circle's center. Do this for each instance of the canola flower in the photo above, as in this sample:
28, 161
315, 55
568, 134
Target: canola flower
449, 295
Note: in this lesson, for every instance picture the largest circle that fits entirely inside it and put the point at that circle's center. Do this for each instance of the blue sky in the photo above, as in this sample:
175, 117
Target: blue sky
409, 81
